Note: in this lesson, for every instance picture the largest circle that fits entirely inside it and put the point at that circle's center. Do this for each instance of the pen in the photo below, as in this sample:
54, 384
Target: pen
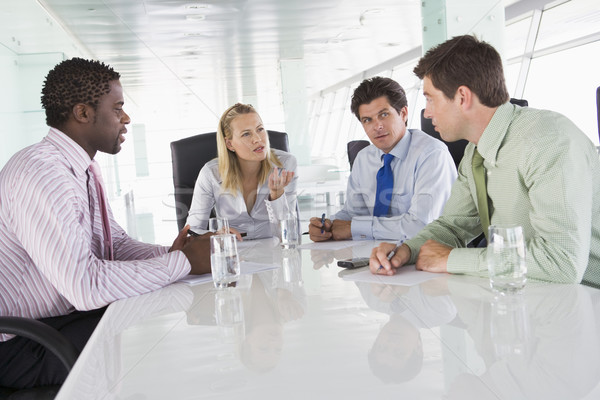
393, 252
323, 223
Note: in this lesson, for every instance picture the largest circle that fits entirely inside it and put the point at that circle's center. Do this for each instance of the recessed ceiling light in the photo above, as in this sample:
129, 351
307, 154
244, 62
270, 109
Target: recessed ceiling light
195, 17
367, 13
190, 53
372, 11
197, 6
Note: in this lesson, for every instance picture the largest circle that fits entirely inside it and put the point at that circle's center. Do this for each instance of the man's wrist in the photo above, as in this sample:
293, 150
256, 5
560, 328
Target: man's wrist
407, 251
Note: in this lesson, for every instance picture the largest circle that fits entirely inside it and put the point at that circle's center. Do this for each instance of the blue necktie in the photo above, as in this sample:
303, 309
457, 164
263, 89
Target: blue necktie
385, 186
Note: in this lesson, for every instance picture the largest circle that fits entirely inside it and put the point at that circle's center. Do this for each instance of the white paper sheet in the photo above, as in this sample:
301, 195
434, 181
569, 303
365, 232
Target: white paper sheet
246, 267
405, 276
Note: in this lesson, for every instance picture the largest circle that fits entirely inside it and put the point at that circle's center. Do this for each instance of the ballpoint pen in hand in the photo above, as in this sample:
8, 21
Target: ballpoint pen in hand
323, 223
393, 252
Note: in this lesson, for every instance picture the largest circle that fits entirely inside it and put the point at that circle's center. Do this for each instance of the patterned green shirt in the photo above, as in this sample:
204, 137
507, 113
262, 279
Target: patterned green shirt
543, 173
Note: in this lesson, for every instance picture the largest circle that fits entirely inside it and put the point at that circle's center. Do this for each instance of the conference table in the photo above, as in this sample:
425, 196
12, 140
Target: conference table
297, 326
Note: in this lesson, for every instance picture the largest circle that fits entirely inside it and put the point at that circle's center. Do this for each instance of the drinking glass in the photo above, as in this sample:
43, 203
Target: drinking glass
506, 258
218, 225
224, 260
288, 231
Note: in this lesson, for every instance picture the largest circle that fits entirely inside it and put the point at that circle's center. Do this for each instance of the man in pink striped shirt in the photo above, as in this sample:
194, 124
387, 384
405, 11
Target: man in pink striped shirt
54, 261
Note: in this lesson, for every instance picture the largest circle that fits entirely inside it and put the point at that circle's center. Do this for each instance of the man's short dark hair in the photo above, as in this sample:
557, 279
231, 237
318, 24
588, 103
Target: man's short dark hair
465, 60
373, 88
72, 82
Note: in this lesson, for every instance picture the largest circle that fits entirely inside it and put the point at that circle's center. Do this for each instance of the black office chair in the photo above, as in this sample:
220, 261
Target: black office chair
189, 156
457, 148
353, 147
519, 102
48, 337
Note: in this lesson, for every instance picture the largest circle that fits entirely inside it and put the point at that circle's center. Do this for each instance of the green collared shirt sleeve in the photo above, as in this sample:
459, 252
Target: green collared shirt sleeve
458, 225
543, 173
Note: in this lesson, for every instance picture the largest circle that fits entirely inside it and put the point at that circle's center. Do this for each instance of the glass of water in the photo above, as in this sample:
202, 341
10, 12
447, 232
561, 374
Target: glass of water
224, 260
288, 232
218, 225
506, 258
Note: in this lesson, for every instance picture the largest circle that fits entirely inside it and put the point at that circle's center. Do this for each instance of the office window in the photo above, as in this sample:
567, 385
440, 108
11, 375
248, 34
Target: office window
314, 106
322, 141
355, 130
555, 83
515, 38
337, 123
404, 75
568, 21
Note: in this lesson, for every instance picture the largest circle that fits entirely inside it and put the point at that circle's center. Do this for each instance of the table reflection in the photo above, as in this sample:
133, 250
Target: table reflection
541, 344
299, 331
251, 313
104, 369
397, 352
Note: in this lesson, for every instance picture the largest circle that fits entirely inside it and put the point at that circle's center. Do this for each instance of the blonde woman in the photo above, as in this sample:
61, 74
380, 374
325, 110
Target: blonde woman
249, 183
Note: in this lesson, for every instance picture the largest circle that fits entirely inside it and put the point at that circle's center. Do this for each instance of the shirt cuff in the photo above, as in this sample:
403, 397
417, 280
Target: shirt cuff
415, 247
279, 206
161, 250
470, 261
178, 265
362, 228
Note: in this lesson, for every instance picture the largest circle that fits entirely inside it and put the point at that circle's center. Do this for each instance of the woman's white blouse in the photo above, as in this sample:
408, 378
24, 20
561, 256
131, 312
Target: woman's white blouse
256, 223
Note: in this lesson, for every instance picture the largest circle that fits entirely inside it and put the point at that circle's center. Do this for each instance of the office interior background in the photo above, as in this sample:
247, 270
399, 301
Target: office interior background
297, 61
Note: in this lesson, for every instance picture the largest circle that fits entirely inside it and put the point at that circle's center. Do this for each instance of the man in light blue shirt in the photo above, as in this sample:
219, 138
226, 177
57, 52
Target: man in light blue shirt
422, 171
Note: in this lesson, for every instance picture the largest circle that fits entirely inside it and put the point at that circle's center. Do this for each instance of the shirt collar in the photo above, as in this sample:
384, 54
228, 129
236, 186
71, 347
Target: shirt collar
75, 155
494, 133
400, 150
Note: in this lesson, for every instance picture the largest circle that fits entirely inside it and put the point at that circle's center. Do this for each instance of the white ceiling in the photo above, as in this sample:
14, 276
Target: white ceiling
210, 54
184, 61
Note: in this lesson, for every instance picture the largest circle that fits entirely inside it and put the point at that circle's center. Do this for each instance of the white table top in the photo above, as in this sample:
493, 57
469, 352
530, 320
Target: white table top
304, 330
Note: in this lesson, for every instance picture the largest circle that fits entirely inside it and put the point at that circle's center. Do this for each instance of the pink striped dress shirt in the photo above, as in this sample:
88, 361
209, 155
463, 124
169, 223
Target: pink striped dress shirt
51, 243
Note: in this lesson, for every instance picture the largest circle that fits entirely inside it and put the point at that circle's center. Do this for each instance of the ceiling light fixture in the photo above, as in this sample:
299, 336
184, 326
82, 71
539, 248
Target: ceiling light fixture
197, 6
367, 13
195, 17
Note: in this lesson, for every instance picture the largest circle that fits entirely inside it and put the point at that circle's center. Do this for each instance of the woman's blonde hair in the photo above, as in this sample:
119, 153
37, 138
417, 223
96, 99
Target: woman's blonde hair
229, 165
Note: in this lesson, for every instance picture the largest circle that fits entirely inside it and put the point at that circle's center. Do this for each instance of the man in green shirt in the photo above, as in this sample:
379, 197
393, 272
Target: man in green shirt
541, 172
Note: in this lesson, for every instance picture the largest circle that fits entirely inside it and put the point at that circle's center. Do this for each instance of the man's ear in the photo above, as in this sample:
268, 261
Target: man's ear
82, 112
404, 113
464, 96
